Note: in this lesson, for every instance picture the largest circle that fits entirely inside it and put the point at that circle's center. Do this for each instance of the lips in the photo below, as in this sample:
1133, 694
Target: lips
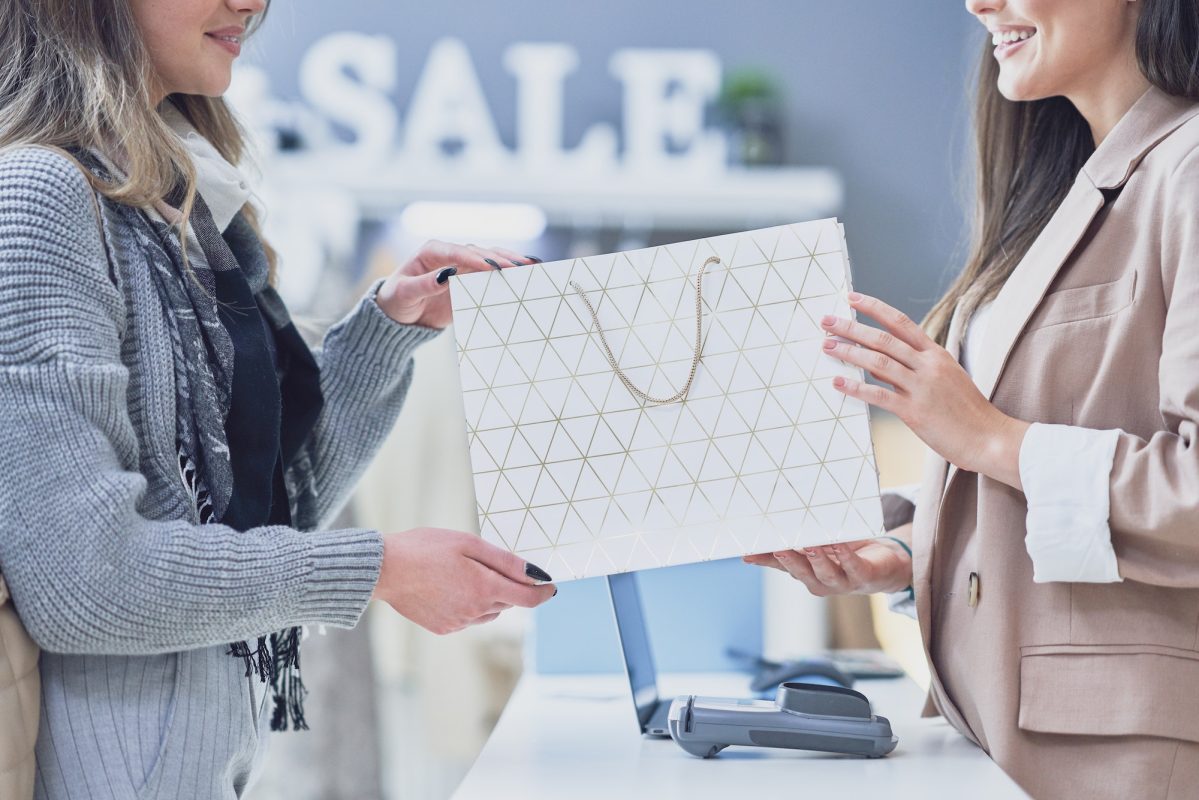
1010, 38
231, 41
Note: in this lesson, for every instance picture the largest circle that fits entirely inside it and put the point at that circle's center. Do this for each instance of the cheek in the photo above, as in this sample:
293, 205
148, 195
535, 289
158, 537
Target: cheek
1075, 39
170, 30
1043, 68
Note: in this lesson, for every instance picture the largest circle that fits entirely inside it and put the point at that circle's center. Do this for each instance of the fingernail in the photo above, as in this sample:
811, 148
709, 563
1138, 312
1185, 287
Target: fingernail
555, 594
839, 382
534, 259
537, 573
445, 274
828, 321
493, 264
855, 296
829, 344
516, 263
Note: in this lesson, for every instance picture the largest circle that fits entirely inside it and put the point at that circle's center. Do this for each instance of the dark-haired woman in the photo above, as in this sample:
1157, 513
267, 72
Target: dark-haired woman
171, 451
1054, 555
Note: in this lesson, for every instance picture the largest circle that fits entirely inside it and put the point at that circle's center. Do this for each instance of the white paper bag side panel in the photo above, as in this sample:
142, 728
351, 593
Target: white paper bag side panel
575, 473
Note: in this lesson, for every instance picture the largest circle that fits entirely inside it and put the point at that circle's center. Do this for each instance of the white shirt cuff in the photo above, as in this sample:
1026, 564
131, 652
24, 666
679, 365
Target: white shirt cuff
1066, 472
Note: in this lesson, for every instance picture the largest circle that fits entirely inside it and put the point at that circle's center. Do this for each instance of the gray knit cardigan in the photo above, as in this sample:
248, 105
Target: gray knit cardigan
133, 602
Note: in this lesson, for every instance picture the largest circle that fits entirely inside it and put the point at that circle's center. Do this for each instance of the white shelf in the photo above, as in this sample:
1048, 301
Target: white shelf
738, 199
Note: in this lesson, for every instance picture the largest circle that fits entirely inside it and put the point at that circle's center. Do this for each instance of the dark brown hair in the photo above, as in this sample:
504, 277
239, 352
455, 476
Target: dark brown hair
1029, 153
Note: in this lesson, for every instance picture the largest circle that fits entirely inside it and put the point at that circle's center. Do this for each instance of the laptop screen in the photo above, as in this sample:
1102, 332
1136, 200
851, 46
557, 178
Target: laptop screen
634, 642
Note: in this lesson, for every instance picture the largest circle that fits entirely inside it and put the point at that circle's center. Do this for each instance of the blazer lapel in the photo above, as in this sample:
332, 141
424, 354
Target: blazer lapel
1026, 286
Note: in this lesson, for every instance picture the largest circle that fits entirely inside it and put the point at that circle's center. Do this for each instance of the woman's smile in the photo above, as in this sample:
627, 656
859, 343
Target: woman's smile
1008, 40
228, 38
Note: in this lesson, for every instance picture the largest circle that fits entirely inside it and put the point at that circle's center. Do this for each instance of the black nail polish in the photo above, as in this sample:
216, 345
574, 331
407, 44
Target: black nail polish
534, 259
555, 594
516, 263
492, 263
537, 573
445, 274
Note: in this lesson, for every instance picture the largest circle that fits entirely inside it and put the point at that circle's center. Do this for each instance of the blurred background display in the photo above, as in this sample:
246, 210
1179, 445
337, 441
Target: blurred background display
562, 130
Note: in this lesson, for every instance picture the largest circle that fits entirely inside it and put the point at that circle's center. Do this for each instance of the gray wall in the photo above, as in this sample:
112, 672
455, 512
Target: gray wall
873, 88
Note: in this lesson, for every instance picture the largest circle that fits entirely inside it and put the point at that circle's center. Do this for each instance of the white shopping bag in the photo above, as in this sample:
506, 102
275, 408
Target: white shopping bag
600, 444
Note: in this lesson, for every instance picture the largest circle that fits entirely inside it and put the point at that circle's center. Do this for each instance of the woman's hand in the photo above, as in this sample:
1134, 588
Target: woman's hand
418, 292
445, 580
931, 392
874, 565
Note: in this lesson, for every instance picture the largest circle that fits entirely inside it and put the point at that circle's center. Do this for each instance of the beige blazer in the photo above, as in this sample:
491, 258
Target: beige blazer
1083, 690
20, 703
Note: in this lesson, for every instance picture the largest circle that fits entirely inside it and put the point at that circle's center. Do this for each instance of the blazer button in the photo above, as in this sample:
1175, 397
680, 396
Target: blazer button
972, 597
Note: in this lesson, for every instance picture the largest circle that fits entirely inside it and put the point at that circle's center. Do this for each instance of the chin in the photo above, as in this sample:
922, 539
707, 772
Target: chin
1019, 89
211, 86
216, 89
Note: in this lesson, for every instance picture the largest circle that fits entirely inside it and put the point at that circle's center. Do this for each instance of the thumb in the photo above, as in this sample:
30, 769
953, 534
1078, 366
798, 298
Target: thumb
414, 288
510, 565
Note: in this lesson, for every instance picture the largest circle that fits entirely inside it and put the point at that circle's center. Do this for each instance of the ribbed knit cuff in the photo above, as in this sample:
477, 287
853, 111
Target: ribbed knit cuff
345, 567
369, 333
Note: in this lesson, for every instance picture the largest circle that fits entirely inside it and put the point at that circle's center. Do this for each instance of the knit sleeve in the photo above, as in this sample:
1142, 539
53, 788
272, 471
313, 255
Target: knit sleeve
366, 370
88, 572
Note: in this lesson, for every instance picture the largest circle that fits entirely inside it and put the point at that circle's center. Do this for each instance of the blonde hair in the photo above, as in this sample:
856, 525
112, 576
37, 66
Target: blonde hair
76, 74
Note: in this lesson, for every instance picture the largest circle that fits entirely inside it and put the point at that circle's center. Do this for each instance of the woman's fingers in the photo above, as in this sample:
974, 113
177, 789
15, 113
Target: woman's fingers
800, 568
514, 258
841, 568
507, 564
877, 363
437, 255
518, 593
858, 571
764, 560
870, 393
499, 258
826, 570
883, 342
491, 257
897, 323
410, 292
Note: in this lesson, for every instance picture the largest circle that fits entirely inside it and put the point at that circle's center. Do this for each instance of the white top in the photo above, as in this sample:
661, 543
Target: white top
221, 184
1065, 471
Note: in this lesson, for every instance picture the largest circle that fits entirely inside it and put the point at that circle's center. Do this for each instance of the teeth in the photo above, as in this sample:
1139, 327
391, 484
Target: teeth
1007, 37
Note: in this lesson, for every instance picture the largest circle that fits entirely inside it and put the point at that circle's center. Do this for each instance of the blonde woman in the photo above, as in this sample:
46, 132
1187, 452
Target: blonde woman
170, 447
1056, 539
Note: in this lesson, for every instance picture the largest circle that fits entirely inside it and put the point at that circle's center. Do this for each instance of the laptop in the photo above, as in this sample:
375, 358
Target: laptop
638, 659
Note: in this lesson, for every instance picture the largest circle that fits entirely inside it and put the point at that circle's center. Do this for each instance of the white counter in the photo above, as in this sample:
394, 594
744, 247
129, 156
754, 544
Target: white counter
576, 738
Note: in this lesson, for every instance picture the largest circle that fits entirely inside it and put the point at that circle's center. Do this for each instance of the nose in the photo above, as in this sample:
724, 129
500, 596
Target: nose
981, 7
251, 7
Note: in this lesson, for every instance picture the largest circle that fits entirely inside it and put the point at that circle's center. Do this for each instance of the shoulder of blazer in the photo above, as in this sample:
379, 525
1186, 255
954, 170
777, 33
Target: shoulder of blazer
1150, 121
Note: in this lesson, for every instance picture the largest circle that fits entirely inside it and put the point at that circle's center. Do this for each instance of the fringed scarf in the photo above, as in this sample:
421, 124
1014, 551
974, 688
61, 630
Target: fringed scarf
204, 358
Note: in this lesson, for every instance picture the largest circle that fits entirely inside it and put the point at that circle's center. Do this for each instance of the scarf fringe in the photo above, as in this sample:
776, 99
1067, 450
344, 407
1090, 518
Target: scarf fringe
278, 665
